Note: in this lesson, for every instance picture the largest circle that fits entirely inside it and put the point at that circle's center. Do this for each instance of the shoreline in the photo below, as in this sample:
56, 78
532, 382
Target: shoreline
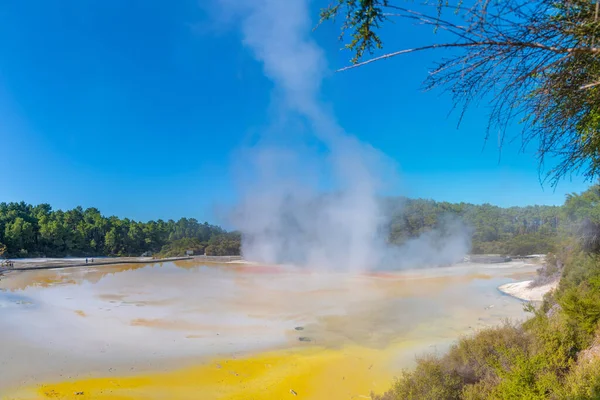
522, 291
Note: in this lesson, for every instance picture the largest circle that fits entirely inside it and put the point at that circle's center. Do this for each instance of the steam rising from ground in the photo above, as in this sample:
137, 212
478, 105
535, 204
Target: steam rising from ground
285, 215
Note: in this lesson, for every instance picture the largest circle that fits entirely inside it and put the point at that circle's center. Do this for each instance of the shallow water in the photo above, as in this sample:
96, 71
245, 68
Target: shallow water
125, 320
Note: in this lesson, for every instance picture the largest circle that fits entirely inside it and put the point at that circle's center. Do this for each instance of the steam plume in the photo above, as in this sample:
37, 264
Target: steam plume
285, 215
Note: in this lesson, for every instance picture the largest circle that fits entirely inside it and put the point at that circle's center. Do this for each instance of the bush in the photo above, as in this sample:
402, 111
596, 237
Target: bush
531, 361
537, 373
583, 383
430, 380
579, 291
493, 247
227, 244
471, 369
531, 243
178, 248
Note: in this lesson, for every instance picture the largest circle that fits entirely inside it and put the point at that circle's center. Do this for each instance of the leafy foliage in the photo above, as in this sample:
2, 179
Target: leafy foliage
579, 291
582, 383
363, 17
179, 247
224, 245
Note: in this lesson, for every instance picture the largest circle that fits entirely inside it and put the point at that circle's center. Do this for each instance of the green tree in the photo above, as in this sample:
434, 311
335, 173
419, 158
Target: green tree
39, 230
111, 242
225, 244
19, 234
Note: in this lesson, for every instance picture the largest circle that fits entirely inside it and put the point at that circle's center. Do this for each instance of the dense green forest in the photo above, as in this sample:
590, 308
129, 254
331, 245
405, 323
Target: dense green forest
27, 230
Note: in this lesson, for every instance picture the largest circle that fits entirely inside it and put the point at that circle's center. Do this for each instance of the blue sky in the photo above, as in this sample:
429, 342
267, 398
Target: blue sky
139, 107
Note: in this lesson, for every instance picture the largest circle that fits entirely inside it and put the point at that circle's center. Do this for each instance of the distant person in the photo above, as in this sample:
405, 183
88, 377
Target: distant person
92, 260
86, 260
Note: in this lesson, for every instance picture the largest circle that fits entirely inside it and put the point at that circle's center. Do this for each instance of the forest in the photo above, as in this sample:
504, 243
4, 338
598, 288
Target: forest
27, 230
495, 230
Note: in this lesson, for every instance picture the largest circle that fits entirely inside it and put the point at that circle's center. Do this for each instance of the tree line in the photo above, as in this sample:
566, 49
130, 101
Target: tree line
27, 230
494, 230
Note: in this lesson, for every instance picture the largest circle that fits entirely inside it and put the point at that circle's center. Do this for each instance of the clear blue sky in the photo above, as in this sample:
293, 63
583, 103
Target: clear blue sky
138, 107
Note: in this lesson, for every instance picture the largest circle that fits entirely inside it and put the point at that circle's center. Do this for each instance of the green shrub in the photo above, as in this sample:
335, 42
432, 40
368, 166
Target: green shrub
481, 390
227, 244
582, 304
530, 361
480, 360
583, 383
178, 248
486, 354
430, 380
531, 243
579, 291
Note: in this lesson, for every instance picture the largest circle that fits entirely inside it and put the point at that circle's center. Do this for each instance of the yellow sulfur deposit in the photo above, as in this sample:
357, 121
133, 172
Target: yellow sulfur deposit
308, 373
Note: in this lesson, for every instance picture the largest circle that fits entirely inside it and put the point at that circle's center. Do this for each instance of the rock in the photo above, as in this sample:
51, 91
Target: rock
591, 353
292, 391
304, 339
299, 328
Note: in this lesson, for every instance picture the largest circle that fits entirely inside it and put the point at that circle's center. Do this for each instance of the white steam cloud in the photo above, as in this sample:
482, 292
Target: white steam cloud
285, 216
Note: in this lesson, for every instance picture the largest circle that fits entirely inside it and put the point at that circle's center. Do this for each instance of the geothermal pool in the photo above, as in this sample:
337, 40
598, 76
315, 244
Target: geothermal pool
187, 331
